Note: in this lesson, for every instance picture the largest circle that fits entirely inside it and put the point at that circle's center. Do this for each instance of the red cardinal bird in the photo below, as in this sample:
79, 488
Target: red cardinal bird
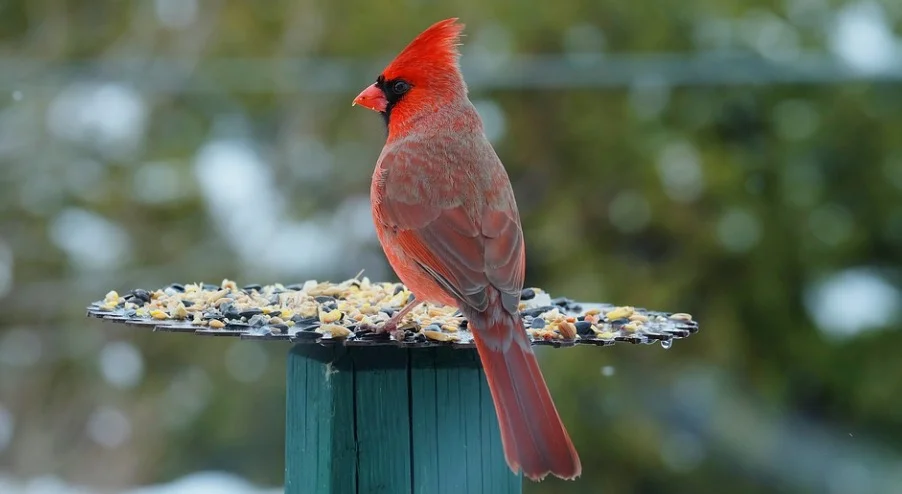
446, 217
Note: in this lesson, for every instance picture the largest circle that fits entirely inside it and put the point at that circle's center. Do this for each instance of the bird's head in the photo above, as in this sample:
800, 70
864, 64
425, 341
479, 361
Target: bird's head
424, 77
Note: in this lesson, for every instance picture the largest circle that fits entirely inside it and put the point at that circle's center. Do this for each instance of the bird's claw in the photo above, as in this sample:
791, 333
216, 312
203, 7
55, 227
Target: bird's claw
389, 327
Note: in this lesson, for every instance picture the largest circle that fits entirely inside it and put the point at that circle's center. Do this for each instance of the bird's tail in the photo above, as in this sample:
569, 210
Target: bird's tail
532, 433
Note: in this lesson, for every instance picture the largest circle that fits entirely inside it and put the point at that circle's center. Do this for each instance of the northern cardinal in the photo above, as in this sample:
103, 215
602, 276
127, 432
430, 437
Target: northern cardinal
446, 217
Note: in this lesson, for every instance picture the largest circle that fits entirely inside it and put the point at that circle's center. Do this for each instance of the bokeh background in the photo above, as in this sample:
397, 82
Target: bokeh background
737, 159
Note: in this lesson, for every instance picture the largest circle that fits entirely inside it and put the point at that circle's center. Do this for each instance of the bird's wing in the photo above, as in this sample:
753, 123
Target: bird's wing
464, 248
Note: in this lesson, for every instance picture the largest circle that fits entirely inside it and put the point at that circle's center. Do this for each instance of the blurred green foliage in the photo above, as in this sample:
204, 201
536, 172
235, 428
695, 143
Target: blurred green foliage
777, 187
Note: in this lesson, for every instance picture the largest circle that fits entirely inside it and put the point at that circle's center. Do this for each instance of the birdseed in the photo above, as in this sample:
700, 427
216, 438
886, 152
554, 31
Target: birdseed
355, 311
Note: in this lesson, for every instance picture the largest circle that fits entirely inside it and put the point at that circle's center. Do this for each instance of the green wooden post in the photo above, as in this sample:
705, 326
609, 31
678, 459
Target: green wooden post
381, 419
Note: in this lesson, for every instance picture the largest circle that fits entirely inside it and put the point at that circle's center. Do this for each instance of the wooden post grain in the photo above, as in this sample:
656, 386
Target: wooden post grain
387, 420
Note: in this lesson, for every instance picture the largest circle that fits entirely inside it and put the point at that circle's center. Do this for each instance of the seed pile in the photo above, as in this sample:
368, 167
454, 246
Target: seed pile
354, 311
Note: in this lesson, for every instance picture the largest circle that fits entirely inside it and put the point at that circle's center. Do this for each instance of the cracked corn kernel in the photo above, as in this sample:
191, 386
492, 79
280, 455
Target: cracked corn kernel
335, 330
212, 296
332, 291
217, 324
158, 314
180, 312
111, 300
619, 313
638, 318
681, 316
331, 316
552, 315
438, 336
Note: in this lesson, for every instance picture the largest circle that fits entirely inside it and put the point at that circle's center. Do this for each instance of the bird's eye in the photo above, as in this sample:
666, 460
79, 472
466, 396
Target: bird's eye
400, 87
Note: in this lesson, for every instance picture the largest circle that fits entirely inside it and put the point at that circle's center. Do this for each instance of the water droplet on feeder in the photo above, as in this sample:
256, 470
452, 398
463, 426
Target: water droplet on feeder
608, 371
666, 344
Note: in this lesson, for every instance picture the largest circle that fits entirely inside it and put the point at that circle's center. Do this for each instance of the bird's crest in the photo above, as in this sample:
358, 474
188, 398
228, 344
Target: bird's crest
434, 49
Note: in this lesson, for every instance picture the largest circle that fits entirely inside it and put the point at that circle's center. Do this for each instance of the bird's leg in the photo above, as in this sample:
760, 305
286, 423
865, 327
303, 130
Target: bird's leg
391, 325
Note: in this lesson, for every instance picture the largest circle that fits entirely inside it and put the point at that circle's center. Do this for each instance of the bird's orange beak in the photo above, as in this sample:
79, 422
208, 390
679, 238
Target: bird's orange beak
372, 98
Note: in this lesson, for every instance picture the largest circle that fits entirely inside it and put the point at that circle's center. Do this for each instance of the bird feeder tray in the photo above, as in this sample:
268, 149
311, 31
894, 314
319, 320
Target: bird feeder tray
370, 411
353, 312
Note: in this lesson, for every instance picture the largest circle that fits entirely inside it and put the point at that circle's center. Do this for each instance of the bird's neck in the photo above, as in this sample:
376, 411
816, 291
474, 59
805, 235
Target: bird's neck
453, 115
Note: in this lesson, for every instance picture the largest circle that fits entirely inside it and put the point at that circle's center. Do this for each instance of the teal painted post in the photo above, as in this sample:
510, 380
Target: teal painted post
371, 420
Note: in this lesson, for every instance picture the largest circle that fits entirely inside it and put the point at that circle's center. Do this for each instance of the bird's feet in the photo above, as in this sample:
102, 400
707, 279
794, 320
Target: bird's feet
391, 326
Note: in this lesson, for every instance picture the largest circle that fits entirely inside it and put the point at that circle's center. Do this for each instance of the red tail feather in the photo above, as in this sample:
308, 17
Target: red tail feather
532, 433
